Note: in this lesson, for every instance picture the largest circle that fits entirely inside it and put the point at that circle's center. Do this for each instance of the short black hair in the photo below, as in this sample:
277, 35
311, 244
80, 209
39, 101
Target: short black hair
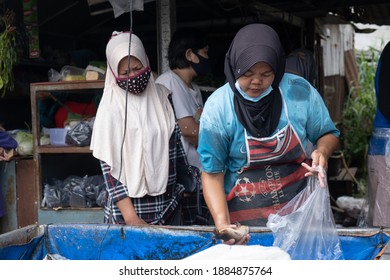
182, 40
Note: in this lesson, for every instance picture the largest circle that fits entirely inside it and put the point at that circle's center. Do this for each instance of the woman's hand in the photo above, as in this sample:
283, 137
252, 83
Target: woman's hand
317, 171
326, 145
233, 234
215, 198
128, 212
6, 155
136, 221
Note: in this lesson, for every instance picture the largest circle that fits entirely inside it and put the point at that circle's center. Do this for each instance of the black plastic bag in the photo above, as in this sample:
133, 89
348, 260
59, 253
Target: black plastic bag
80, 135
189, 176
52, 194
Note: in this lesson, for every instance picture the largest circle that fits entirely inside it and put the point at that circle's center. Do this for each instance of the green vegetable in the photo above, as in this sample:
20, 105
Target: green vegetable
8, 51
25, 143
25, 148
21, 136
45, 140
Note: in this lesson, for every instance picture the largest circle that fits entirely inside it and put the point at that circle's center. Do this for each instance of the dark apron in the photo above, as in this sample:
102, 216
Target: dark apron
272, 177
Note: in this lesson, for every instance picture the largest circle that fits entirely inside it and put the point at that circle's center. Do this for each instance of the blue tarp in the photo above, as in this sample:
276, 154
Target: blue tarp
113, 242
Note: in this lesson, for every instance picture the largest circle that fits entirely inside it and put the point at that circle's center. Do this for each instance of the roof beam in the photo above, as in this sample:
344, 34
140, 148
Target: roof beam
278, 14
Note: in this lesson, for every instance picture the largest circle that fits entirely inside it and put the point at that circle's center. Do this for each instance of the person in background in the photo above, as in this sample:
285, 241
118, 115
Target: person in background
301, 62
7, 152
254, 134
378, 153
8, 145
188, 59
137, 139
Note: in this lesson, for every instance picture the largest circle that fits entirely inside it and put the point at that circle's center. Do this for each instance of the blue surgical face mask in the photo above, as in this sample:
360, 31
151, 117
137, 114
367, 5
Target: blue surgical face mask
253, 99
203, 67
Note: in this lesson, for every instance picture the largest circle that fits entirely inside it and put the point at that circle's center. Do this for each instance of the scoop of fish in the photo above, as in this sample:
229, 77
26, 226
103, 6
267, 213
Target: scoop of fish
236, 233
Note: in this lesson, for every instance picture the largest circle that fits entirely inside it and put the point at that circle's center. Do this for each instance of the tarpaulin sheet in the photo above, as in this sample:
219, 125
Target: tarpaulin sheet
113, 242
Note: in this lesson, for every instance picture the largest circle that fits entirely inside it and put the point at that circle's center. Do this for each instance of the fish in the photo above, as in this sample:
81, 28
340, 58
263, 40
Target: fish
228, 233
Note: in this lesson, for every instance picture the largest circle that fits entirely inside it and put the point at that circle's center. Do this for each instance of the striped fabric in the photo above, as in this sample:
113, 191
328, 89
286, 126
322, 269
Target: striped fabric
152, 209
274, 176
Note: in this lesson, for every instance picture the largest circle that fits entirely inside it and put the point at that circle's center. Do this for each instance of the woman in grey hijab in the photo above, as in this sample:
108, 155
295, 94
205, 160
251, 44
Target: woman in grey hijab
255, 134
301, 62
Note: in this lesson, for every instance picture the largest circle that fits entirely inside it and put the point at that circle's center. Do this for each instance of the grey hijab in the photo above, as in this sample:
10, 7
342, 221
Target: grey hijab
252, 44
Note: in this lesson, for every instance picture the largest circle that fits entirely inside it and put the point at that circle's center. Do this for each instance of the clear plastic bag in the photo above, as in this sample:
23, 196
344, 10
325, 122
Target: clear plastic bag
54, 75
72, 73
305, 226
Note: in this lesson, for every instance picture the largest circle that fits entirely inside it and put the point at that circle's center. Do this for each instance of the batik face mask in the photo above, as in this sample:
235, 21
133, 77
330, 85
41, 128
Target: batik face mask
137, 84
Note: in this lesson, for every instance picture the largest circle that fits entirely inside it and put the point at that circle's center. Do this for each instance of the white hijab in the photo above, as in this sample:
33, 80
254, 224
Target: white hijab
150, 123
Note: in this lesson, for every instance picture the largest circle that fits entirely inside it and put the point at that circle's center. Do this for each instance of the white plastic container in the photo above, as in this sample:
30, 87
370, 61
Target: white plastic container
57, 136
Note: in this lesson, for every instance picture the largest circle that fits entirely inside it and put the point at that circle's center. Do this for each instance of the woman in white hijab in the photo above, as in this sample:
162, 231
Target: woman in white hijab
135, 137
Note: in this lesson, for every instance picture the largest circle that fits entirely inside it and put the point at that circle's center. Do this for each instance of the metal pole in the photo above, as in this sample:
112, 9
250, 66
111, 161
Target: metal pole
166, 24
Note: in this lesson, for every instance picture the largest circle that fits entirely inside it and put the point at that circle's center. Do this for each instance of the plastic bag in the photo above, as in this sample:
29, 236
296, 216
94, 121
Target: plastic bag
72, 73
75, 191
54, 75
305, 226
52, 195
80, 135
190, 177
68, 189
123, 6
93, 186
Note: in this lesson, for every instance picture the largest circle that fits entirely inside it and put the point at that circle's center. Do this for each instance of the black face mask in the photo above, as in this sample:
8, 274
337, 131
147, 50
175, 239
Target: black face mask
203, 67
137, 84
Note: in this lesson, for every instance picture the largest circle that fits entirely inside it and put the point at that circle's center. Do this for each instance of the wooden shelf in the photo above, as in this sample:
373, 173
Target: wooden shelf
52, 161
72, 208
49, 149
68, 85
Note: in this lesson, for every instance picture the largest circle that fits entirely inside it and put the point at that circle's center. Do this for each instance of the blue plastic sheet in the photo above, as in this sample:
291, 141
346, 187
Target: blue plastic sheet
112, 242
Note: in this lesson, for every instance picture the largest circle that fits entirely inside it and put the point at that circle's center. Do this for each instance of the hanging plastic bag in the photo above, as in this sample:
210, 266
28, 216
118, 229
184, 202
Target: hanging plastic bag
124, 6
305, 226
